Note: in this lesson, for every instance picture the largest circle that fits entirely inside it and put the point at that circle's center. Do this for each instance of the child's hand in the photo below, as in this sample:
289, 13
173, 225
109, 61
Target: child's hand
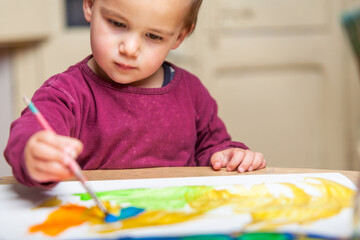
237, 158
46, 153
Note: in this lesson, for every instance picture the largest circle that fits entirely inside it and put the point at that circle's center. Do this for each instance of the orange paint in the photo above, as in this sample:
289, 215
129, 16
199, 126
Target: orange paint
63, 218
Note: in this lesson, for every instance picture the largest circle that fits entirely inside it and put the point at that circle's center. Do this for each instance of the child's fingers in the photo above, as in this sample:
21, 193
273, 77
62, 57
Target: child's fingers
263, 164
218, 160
53, 171
38, 147
46, 156
258, 160
65, 145
71, 146
47, 171
237, 156
247, 161
45, 152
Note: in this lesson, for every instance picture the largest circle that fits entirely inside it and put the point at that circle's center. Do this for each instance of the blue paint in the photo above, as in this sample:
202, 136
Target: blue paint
192, 237
124, 213
130, 212
317, 236
110, 218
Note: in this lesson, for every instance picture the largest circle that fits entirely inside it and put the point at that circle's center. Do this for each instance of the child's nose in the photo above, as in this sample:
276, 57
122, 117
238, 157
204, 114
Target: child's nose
130, 46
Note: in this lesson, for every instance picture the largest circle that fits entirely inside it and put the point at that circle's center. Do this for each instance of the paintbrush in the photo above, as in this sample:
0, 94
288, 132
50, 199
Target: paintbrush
72, 164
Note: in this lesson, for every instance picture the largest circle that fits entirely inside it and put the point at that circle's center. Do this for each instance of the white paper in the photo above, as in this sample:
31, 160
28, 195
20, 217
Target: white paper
17, 203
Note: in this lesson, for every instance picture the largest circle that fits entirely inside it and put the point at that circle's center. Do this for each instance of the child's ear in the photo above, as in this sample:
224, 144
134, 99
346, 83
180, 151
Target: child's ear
87, 7
183, 34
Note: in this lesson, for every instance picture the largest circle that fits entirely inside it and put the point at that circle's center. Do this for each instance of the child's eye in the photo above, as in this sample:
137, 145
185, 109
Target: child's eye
117, 24
154, 37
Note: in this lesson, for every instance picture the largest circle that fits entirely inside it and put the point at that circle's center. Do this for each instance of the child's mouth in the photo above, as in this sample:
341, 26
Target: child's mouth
124, 67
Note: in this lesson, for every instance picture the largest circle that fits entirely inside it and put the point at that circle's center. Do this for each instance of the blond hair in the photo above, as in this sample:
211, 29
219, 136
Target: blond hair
191, 18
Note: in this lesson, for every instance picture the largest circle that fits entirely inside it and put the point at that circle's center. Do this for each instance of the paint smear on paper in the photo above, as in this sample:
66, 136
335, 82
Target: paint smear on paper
61, 219
51, 202
171, 205
167, 198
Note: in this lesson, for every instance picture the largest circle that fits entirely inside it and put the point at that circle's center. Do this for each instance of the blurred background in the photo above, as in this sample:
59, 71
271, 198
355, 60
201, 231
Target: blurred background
282, 71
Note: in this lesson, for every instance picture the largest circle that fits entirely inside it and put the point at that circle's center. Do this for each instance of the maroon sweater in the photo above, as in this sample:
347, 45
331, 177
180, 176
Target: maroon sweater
122, 126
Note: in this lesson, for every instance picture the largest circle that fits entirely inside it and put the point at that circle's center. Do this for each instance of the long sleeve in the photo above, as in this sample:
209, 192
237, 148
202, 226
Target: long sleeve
212, 135
121, 126
20, 131
53, 105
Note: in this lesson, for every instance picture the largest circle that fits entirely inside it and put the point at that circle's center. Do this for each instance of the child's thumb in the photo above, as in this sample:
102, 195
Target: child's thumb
217, 160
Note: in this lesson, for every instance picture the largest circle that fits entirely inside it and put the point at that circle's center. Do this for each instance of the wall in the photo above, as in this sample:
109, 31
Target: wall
284, 63
280, 72
5, 106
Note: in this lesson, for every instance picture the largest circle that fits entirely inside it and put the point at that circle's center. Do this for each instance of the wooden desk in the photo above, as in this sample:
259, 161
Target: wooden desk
169, 172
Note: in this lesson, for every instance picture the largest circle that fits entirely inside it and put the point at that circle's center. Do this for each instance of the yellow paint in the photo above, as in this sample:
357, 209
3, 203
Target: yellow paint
302, 208
151, 218
210, 200
51, 202
267, 210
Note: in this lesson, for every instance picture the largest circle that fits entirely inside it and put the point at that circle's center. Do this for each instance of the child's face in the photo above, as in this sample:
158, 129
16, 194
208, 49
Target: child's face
130, 39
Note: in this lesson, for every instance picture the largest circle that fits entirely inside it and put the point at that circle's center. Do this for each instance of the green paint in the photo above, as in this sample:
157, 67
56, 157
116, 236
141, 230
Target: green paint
168, 198
267, 236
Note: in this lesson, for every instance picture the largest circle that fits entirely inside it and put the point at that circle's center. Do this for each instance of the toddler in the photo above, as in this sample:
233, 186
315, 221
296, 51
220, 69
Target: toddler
124, 106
